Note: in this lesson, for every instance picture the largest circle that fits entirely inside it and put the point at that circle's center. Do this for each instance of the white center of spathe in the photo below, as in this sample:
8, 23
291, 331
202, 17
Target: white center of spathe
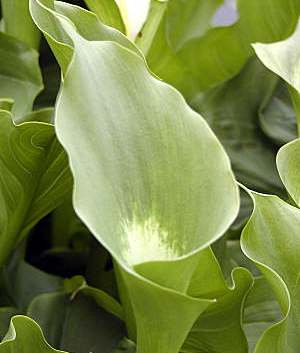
134, 13
147, 241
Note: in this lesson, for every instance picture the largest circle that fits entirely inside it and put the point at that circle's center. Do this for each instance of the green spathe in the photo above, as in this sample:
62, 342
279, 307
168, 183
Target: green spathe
137, 176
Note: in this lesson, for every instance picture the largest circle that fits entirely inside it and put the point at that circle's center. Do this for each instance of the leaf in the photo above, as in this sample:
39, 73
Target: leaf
193, 22
34, 178
271, 240
24, 335
219, 328
108, 13
232, 110
21, 78
77, 325
200, 62
18, 22
282, 58
261, 311
124, 182
78, 284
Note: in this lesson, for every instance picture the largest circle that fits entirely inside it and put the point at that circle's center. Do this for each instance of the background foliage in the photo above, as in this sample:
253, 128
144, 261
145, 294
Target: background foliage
149, 187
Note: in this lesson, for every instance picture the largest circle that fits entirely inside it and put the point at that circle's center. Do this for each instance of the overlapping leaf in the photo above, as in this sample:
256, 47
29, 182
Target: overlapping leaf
199, 61
261, 311
283, 59
34, 178
233, 110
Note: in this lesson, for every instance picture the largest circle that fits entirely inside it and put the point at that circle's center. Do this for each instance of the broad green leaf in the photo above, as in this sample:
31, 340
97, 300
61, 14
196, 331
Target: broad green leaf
76, 324
19, 73
24, 335
18, 22
193, 22
261, 311
199, 61
153, 233
288, 160
271, 240
34, 178
108, 12
232, 110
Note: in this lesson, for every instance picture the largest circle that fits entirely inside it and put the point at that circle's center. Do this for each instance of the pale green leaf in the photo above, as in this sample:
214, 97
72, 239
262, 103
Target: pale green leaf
18, 22
282, 58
